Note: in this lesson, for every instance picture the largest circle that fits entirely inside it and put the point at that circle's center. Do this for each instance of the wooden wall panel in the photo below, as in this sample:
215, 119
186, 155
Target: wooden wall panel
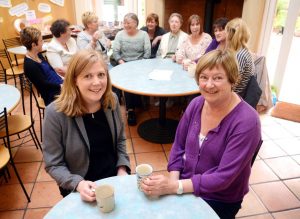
7, 29
223, 8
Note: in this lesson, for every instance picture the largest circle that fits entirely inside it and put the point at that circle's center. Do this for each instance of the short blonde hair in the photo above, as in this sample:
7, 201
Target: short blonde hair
70, 101
216, 58
88, 17
238, 34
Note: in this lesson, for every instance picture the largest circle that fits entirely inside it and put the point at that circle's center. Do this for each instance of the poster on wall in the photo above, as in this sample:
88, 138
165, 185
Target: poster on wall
5, 3
30, 15
45, 8
58, 2
18, 10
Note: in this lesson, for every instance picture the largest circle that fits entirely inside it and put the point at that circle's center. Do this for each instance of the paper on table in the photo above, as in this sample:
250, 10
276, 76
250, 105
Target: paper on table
160, 75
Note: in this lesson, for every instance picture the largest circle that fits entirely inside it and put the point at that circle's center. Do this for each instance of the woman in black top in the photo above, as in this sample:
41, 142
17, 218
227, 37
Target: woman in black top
36, 68
154, 31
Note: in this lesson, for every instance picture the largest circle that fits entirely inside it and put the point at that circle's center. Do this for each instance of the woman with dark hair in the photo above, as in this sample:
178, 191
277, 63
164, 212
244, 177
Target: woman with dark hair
62, 46
195, 44
84, 138
36, 68
154, 31
219, 41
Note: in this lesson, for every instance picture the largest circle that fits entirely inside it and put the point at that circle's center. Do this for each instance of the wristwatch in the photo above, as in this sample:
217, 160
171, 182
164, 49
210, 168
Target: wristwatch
180, 188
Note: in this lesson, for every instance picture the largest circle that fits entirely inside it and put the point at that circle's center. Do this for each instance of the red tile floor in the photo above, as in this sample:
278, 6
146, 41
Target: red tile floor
274, 183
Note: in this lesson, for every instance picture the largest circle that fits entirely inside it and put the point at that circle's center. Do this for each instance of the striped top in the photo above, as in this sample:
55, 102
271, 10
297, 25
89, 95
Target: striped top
246, 69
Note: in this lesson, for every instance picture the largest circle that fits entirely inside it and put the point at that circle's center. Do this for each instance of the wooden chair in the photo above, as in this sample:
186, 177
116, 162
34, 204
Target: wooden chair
12, 71
13, 42
5, 151
3, 77
20, 123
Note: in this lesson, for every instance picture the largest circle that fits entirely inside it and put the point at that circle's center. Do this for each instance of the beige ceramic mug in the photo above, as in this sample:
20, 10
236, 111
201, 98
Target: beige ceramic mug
142, 172
105, 198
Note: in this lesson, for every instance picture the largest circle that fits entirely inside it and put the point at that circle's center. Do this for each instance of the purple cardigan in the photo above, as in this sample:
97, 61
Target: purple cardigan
220, 170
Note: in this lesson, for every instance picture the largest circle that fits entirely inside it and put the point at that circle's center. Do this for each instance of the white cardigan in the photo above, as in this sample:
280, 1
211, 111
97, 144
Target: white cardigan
163, 47
57, 55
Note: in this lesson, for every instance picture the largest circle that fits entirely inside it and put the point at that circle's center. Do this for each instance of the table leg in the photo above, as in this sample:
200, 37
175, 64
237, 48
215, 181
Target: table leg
159, 130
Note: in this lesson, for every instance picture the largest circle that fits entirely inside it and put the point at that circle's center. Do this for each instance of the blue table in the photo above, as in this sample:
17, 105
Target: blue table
133, 77
9, 97
131, 203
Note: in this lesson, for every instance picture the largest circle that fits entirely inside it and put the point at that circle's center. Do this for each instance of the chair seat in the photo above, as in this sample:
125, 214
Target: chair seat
17, 124
41, 103
4, 156
17, 71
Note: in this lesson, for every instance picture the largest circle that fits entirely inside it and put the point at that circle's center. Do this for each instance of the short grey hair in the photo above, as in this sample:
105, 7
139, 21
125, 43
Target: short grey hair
132, 16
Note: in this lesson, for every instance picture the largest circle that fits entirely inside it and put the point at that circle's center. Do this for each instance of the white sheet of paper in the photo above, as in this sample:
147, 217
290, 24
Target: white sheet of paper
18, 10
160, 75
5, 3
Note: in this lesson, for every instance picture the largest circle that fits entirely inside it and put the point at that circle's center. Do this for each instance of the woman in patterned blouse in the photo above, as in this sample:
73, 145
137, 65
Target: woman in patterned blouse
195, 44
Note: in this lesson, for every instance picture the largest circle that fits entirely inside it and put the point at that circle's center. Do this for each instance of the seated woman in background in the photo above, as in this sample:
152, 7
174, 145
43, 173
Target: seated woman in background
171, 41
195, 44
216, 140
84, 138
62, 46
131, 44
237, 37
219, 42
36, 68
92, 37
154, 31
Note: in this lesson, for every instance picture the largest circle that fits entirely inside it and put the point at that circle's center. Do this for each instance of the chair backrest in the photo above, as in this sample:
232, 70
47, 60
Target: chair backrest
4, 128
4, 56
3, 77
28, 86
11, 42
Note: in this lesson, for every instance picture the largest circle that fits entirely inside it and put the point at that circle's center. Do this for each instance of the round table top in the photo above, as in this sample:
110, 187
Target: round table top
133, 77
21, 50
9, 97
131, 203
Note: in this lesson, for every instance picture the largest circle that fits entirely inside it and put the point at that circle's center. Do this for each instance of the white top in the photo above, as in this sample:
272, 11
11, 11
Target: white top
163, 46
84, 39
194, 51
57, 55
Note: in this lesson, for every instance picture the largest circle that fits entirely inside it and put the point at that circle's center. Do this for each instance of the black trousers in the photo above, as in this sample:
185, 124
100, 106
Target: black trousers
64, 192
225, 210
132, 100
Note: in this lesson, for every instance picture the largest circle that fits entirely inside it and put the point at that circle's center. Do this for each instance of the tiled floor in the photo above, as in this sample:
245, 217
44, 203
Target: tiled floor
274, 183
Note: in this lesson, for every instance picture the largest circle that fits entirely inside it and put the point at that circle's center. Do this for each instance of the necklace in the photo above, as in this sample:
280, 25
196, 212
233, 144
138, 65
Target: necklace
93, 116
36, 59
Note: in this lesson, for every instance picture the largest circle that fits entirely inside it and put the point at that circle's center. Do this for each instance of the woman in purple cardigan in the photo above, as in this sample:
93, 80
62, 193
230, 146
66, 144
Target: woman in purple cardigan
215, 142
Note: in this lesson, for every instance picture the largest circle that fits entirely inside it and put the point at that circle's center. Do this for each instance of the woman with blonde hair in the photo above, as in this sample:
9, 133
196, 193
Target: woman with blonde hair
237, 37
92, 37
84, 138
